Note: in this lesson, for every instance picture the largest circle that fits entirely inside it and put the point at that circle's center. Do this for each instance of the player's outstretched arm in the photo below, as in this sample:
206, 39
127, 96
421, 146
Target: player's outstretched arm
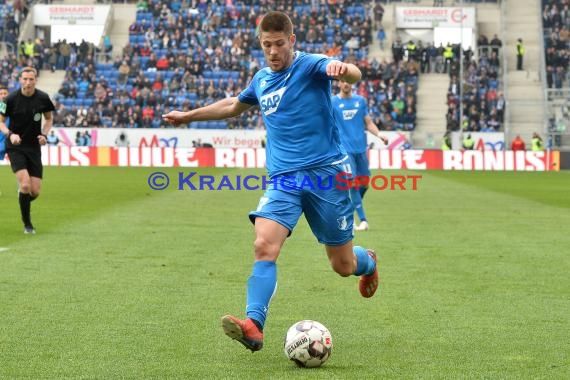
223, 109
344, 71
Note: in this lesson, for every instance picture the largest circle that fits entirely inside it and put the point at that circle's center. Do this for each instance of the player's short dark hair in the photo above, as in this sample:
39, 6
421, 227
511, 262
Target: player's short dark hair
29, 69
275, 21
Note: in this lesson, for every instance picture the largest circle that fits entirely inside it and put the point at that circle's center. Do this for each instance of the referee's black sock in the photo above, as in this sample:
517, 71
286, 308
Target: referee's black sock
33, 197
25, 205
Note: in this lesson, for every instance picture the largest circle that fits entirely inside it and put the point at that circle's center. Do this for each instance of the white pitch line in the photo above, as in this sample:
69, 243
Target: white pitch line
2, 249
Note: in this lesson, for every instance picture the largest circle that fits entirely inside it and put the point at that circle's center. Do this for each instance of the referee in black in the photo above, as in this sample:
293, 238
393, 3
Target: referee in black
25, 136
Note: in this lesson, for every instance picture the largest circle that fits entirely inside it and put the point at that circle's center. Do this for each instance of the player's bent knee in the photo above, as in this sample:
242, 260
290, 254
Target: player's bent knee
25, 188
343, 269
265, 250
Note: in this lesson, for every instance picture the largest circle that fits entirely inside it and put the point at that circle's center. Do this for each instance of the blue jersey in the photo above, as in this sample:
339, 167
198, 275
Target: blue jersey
296, 107
349, 114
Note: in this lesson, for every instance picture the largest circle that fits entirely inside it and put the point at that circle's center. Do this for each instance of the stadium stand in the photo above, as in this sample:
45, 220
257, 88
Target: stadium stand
482, 99
556, 23
556, 26
182, 58
177, 59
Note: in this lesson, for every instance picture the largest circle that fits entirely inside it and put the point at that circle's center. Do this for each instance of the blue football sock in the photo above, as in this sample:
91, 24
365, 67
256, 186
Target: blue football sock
364, 263
260, 288
357, 204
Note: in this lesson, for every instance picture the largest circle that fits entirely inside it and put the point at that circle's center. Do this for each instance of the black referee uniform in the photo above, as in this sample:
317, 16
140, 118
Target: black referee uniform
25, 114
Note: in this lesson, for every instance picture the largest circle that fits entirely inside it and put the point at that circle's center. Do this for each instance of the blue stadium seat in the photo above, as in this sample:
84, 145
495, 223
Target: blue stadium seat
151, 75
175, 6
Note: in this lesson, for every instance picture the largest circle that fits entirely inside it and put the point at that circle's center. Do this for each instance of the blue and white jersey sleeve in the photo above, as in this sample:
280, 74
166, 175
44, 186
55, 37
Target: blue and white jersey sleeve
349, 114
296, 107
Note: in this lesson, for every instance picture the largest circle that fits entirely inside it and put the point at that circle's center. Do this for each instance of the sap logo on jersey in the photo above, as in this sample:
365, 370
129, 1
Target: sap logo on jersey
270, 102
349, 114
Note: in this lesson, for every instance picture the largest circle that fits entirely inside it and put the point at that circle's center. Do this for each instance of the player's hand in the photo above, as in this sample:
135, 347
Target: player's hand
384, 139
175, 117
336, 68
15, 139
42, 140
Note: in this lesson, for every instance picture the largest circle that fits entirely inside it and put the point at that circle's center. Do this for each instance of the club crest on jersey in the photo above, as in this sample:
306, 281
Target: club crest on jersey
37, 116
270, 102
349, 114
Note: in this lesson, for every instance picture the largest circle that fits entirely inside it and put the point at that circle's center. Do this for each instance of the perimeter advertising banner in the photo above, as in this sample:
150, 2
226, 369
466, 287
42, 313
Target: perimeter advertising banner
255, 158
427, 17
190, 138
227, 138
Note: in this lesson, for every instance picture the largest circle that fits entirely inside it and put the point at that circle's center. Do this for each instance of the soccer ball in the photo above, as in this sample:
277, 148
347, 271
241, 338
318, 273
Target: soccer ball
308, 343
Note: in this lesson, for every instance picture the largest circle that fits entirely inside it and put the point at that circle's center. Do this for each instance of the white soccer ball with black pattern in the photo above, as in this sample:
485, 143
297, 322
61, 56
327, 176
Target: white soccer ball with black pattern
308, 343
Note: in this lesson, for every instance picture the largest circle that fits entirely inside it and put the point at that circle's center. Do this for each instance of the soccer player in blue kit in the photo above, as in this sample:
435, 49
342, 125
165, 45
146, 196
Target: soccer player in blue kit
351, 114
293, 95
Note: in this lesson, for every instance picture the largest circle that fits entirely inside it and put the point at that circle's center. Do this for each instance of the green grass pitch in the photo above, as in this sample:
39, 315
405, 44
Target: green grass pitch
124, 282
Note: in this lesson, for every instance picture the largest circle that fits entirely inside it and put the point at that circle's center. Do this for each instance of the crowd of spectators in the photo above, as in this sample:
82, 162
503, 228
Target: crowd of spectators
556, 24
185, 59
188, 56
482, 102
11, 16
391, 91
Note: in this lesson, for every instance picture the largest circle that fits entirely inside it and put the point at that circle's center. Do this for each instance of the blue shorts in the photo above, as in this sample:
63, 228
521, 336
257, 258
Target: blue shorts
327, 208
359, 164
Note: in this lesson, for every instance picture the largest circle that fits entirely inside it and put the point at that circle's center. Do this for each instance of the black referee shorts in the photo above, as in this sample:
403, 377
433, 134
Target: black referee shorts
30, 159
